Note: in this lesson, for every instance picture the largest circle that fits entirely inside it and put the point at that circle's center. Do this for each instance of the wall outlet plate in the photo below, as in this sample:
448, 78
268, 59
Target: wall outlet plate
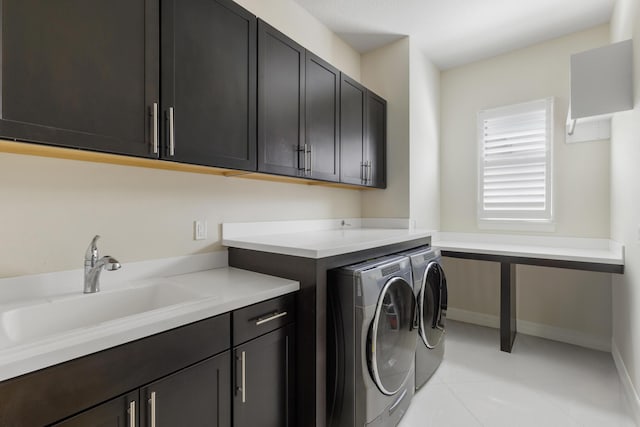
199, 230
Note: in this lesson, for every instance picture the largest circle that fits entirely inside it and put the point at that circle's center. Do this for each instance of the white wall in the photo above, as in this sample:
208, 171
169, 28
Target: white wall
424, 147
51, 208
625, 212
564, 302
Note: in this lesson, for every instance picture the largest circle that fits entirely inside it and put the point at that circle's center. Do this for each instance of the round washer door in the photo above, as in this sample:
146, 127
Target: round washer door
392, 336
432, 304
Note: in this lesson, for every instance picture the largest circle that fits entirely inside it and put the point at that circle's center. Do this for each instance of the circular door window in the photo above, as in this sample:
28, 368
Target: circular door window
392, 336
432, 305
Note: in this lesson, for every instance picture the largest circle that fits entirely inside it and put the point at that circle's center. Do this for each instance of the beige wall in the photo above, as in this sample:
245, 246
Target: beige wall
410, 83
564, 301
625, 207
386, 72
51, 208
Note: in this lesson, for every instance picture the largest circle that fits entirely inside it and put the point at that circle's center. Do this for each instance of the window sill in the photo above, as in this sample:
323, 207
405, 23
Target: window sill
515, 225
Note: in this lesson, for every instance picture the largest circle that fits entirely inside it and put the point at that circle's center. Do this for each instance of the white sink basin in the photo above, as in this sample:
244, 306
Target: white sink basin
44, 319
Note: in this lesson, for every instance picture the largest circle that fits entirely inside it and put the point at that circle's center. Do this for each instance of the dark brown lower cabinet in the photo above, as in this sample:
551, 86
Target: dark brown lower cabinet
264, 380
119, 412
196, 396
181, 377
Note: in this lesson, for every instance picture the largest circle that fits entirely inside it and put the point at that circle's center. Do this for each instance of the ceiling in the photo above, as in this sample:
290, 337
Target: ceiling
456, 32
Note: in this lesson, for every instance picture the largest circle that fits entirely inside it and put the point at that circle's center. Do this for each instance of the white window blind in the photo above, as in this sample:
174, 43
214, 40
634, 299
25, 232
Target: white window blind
515, 145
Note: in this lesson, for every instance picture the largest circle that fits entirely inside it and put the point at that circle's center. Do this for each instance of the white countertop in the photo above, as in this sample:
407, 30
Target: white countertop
317, 239
221, 290
602, 251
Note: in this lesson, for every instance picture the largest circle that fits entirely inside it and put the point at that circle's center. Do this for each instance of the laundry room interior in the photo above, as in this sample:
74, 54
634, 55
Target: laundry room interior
326, 194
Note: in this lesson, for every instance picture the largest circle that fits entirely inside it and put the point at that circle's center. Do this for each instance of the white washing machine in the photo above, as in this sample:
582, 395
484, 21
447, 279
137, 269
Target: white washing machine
371, 342
430, 287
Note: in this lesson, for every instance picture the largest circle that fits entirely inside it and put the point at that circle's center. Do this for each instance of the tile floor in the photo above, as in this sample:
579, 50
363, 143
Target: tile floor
541, 383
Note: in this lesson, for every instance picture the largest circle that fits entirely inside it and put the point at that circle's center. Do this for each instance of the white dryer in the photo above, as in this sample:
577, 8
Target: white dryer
430, 286
371, 342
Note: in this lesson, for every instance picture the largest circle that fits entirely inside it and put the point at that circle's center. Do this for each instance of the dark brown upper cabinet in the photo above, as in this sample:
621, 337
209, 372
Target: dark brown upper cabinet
375, 151
199, 82
322, 109
363, 117
208, 83
352, 131
281, 85
80, 74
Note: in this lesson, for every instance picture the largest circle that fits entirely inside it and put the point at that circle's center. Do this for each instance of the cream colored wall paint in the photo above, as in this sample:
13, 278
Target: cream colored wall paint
424, 155
386, 72
570, 299
559, 298
625, 201
581, 171
473, 285
51, 209
294, 21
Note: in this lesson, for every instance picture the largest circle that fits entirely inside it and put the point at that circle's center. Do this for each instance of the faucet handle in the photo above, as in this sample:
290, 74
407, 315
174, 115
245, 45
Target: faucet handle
92, 251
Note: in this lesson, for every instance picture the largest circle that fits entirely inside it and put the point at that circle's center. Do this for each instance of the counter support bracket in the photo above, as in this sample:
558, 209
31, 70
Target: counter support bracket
507, 306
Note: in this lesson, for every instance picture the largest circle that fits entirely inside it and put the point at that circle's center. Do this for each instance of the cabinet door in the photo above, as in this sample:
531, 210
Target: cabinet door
264, 380
280, 103
352, 131
376, 141
196, 396
209, 83
322, 109
80, 74
122, 411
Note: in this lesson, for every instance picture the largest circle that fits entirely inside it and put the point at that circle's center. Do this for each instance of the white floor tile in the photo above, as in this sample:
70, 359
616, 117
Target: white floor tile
509, 404
437, 406
541, 383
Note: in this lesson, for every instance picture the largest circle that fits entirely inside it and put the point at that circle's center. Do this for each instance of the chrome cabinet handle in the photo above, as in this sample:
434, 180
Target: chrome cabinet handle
152, 402
369, 172
362, 172
132, 413
269, 318
310, 168
243, 379
172, 133
302, 150
244, 372
304, 153
154, 139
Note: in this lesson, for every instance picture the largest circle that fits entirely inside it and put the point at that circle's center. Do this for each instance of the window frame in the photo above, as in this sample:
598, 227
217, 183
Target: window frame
517, 220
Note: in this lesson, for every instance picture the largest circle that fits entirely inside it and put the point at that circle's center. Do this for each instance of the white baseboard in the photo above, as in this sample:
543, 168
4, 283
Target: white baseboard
474, 317
629, 390
531, 328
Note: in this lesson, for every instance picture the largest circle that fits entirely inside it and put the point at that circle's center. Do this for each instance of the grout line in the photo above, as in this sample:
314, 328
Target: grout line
463, 404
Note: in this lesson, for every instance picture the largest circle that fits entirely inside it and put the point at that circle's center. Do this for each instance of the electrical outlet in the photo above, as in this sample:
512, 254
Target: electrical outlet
199, 230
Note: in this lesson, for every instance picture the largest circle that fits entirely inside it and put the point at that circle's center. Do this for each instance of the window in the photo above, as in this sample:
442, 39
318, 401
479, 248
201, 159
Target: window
514, 163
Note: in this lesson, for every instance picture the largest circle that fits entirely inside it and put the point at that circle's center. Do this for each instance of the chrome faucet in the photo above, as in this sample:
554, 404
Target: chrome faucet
93, 267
